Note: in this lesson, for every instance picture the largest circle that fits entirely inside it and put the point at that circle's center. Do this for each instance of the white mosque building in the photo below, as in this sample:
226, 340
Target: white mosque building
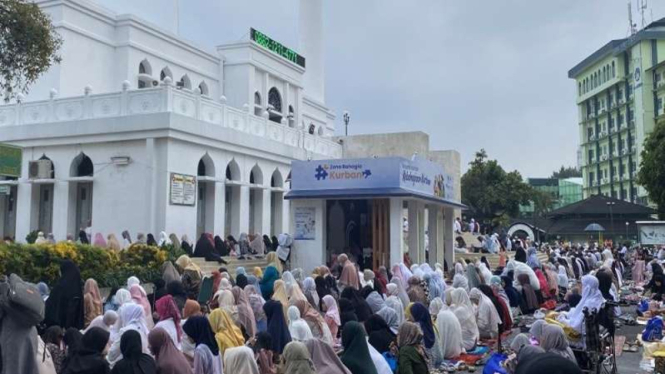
137, 129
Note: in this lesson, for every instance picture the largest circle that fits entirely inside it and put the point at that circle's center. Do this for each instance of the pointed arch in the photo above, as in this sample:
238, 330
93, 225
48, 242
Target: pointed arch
276, 180
256, 175
44, 157
185, 82
206, 167
166, 72
233, 171
203, 86
145, 67
81, 166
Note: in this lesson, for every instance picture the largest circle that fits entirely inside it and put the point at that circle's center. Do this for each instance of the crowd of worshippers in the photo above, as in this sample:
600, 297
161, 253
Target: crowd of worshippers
336, 319
208, 247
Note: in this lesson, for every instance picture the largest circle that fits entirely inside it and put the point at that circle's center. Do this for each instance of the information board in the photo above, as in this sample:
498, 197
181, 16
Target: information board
183, 189
305, 222
10, 161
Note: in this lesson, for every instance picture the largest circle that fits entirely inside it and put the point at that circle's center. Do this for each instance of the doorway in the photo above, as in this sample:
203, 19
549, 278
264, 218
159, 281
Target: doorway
9, 223
83, 205
45, 222
349, 230
201, 210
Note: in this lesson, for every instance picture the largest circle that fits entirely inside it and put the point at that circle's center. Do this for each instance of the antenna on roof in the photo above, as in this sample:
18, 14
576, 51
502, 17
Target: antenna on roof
642, 7
631, 25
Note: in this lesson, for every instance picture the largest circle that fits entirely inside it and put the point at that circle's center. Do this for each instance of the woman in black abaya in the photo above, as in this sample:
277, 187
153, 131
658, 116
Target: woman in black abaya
64, 307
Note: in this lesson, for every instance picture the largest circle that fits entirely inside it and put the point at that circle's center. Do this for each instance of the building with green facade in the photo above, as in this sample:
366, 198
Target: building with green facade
620, 93
562, 191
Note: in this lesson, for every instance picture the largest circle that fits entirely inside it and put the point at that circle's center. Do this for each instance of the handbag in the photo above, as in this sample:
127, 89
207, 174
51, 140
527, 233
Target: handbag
654, 330
24, 298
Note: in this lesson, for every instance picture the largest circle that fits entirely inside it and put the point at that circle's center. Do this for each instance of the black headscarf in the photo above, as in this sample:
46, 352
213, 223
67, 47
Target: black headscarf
366, 291
483, 259
277, 325
203, 247
363, 311
187, 248
83, 237
267, 243
65, 305
151, 240
177, 290
231, 240
275, 243
347, 312
89, 359
511, 292
72, 340
546, 363
241, 281
331, 285
421, 316
520, 255
380, 335
198, 328
605, 283
220, 247
53, 335
134, 361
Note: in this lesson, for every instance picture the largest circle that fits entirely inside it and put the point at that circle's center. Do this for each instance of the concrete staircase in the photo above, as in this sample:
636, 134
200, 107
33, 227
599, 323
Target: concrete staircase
207, 267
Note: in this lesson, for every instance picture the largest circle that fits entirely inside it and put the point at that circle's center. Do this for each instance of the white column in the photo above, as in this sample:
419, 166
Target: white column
151, 187
433, 228
263, 223
286, 215
414, 237
396, 232
448, 236
24, 210
242, 215
61, 209
219, 214
440, 235
421, 232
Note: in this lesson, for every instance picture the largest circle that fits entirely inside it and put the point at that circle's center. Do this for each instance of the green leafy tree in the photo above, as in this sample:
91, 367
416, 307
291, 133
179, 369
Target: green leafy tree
652, 168
492, 194
567, 172
28, 46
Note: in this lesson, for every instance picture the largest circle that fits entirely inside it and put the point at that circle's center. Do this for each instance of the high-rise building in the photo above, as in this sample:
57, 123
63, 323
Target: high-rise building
563, 192
620, 93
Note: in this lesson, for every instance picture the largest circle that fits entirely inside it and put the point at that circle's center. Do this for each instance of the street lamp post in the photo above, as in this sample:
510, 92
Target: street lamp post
346, 118
610, 204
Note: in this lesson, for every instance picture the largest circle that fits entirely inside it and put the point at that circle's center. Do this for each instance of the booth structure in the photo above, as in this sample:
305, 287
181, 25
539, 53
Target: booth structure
376, 209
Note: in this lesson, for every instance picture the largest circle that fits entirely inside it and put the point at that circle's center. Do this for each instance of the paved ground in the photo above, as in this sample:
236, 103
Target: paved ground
629, 362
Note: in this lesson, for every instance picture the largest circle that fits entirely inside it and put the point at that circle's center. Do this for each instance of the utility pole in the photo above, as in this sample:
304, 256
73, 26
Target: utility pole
346, 118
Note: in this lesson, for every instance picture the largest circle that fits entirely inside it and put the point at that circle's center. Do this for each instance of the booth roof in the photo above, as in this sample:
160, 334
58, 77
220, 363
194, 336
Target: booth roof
366, 193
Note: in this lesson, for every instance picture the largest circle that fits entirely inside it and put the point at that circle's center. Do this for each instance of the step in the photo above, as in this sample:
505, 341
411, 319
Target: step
494, 259
207, 267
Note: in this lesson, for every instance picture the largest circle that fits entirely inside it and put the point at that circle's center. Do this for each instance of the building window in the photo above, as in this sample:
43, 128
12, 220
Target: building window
312, 129
590, 178
257, 104
613, 70
275, 104
144, 74
633, 166
185, 82
590, 155
203, 87
579, 89
291, 116
166, 72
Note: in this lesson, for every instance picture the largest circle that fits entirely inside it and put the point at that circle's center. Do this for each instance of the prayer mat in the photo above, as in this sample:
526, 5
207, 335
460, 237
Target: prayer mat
619, 341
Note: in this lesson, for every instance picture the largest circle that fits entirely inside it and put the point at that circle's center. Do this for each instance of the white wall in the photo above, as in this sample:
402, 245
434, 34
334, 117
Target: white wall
308, 254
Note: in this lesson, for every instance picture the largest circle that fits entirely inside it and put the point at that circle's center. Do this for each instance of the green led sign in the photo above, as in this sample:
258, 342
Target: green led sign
275, 47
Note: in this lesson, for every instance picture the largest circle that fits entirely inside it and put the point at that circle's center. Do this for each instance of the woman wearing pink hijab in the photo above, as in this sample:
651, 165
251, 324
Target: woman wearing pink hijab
99, 241
141, 298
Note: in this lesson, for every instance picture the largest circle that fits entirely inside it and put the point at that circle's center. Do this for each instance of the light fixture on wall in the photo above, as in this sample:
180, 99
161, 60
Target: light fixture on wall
120, 160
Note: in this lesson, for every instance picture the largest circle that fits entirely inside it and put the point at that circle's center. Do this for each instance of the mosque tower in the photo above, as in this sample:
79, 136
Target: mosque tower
311, 46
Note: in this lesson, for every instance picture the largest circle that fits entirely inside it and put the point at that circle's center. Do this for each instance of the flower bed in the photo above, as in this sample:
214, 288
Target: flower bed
41, 263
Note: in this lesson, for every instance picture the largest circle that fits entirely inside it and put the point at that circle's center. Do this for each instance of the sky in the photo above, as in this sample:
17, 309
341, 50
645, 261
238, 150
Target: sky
472, 74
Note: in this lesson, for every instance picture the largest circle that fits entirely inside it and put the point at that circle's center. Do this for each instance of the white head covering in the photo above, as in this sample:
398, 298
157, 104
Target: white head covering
240, 360
164, 239
485, 272
122, 296
132, 281
405, 272
465, 315
459, 268
522, 268
450, 334
562, 277
591, 298
488, 317
298, 328
436, 305
401, 293
395, 304
460, 281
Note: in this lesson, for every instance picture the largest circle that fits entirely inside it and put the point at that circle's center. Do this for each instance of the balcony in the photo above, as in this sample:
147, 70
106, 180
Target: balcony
602, 134
164, 99
592, 137
660, 86
604, 157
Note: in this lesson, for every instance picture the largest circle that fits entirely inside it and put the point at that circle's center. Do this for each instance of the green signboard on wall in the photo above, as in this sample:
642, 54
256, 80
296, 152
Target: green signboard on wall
275, 47
10, 161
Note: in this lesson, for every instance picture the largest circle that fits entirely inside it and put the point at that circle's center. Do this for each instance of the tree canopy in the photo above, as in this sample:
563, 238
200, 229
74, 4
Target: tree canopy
652, 167
28, 46
492, 194
566, 172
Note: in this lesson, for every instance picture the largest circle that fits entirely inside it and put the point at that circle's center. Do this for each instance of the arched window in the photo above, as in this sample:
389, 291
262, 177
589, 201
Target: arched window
613, 70
276, 179
185, 83
145, 70
52, 166
233, 171
256, 175
82, 166
275, 105
258, 110
579, 89
206, 166
312, 129
320, 131
166, 72
204, 88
